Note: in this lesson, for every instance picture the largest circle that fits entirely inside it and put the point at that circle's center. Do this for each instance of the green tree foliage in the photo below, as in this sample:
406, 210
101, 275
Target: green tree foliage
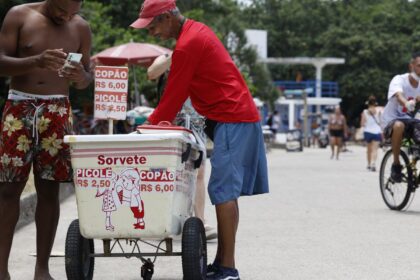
110, 20
219, 15
375, 37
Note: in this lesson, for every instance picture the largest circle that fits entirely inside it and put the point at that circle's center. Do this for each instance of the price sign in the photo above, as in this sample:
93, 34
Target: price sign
111, 86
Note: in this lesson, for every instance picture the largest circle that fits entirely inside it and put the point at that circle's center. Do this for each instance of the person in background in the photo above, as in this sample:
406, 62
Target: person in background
315, 131
298, 125
274, 122
203, 70
159, 71
337, 126
35, 39
370, 121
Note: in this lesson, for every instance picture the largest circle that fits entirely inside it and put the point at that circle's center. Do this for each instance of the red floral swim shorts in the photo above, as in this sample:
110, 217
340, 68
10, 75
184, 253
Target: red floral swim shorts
32, 131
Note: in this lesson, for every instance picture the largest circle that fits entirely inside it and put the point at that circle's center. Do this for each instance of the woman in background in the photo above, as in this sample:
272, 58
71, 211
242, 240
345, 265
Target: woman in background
370, 121
337, 126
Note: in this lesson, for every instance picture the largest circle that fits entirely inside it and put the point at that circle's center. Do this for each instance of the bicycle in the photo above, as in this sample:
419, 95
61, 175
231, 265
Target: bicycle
396, 195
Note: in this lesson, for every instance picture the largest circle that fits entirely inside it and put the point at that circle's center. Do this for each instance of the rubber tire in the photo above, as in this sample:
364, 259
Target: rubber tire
194, 250
388, 156
78, 266
147, 276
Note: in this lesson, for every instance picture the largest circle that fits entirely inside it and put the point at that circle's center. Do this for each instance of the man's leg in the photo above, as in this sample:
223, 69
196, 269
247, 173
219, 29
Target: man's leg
218, 258
200, 200
46, 220
237, 219
9, 215
396, 139
200, 193
227, 225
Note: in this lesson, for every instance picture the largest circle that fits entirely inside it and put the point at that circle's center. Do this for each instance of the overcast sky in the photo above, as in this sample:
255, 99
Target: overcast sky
244, 1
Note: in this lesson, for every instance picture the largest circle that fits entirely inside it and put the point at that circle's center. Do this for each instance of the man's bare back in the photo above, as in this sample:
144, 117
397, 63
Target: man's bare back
28, 31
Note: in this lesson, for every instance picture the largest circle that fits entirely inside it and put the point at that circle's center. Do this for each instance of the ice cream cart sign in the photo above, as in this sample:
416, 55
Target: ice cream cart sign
111, 85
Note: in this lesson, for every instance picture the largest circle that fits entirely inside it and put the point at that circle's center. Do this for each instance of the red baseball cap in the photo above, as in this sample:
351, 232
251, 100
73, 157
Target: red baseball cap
150, 9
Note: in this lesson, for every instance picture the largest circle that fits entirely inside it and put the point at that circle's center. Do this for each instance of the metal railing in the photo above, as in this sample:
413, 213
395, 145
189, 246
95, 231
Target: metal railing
328, 88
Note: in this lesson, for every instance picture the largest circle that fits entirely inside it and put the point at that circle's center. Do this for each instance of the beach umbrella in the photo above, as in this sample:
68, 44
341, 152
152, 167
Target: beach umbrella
131, 54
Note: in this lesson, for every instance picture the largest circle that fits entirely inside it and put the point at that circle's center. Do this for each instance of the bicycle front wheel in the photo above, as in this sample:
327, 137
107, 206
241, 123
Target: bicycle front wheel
395, 194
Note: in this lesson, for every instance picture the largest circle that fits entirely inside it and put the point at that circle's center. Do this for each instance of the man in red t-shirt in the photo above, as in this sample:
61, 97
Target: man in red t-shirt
203, 70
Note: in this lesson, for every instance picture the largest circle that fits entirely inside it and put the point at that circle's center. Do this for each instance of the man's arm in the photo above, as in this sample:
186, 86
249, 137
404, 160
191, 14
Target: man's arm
401, 98
159, 66
10, 64
396, 91
81, 74
409, 104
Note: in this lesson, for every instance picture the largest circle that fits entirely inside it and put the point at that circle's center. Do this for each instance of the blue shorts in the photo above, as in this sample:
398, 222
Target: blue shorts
369, 137
238, 162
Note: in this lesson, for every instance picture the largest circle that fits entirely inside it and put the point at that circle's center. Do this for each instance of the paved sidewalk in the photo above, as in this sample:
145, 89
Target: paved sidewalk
324, 219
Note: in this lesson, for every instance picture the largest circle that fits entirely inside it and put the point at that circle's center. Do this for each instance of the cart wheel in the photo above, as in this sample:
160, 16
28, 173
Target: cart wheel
194, 250
147, 276
147, 270
79, 266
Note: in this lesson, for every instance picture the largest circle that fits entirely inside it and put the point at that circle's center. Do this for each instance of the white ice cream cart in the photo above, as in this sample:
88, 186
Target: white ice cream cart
136, 189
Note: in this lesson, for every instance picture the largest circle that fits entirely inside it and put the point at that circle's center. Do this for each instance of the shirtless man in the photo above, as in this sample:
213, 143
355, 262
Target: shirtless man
34, 41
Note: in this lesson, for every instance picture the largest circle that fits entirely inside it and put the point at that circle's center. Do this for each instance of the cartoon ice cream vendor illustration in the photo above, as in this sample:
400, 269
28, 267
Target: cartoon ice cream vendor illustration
129, 194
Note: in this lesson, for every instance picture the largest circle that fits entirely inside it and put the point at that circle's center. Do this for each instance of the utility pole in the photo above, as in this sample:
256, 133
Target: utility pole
305, 118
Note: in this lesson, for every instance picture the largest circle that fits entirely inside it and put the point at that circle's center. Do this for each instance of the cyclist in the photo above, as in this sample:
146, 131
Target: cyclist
403, 93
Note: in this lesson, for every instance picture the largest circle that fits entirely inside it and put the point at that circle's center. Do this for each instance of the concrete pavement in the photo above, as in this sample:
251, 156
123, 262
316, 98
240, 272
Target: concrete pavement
324, 219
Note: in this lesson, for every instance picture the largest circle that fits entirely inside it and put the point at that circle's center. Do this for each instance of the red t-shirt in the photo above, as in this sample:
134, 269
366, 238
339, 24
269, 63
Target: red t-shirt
203, 70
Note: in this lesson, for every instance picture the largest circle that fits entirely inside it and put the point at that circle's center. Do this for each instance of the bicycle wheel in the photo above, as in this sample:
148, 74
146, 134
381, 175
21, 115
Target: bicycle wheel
395, 195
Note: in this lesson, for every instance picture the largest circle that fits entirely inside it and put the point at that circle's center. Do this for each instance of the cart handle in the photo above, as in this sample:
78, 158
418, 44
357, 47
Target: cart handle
165, 123
197, 162
186, 154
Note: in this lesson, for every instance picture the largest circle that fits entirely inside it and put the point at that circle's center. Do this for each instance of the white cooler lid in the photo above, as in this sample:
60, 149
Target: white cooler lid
162, 127
132, 137
163, 131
